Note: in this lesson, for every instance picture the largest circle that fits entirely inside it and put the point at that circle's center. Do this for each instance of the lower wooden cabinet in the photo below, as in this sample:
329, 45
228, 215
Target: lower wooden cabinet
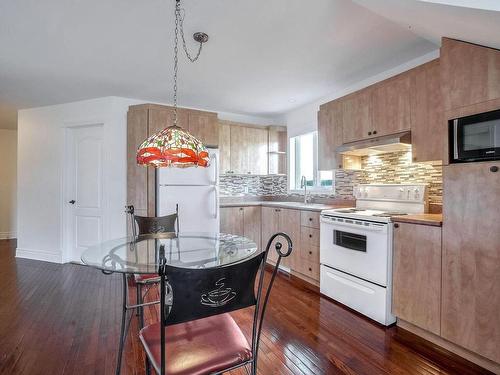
416, 276
243, 221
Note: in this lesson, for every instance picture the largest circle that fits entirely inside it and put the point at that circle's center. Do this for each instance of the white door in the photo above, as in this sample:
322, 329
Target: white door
84, 189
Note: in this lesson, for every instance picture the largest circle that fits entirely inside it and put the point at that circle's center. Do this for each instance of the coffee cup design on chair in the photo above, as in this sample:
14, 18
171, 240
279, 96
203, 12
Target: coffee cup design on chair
218, 297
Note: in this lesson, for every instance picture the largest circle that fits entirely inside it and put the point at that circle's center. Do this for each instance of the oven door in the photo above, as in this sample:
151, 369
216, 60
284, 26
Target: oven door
476, 137
359, 248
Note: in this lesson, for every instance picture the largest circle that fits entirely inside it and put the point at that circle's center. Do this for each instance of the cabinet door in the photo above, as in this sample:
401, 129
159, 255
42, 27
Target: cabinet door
239, 154
251, 223
270, 225
329, 136
137, 175
205, 127
470, 73
232, 220
471, 258
256, 140
225, 147
289, 223
356, 116
416, 290
391, 106
428, 127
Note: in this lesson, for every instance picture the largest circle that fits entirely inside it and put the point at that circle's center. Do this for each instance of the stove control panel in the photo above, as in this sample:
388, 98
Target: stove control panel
394, 192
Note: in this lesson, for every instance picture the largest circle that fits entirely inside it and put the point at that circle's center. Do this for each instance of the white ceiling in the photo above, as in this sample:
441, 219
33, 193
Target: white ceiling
263, 58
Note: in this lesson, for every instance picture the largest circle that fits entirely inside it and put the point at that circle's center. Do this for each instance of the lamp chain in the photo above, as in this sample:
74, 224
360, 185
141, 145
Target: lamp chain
179, 22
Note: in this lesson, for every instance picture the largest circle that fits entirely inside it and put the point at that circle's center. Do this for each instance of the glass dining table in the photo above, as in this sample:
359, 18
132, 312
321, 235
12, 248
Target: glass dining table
143, 255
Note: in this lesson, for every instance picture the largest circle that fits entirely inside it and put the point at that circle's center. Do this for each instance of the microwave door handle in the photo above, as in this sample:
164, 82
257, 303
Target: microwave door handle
455, 139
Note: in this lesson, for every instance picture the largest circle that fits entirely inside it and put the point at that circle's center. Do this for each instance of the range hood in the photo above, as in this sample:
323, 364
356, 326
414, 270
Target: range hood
376, 146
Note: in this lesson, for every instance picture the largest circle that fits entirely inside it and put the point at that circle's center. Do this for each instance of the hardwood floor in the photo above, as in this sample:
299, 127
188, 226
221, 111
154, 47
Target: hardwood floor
64, 319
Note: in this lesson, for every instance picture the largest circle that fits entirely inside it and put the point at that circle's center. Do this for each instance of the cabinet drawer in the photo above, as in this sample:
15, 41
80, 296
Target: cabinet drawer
309, 253
309, 269
309, 219
309, 236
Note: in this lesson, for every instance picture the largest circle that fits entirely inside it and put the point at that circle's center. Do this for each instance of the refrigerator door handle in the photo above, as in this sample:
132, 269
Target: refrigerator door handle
216, 201
216, 169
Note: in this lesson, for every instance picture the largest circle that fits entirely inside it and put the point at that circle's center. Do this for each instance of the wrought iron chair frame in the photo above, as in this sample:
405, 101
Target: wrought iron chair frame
259, 306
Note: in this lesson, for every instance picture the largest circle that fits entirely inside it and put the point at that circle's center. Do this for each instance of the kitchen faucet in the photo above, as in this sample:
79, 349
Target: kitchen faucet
303, 184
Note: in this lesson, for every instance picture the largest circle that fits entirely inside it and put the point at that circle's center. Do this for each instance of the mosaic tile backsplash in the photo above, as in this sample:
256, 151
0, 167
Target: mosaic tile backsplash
390, 168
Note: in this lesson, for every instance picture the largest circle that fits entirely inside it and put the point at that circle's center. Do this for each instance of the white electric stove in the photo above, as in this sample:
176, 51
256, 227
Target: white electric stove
356, 247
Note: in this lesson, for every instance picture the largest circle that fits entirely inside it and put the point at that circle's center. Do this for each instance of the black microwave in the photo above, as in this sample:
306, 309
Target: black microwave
475, 138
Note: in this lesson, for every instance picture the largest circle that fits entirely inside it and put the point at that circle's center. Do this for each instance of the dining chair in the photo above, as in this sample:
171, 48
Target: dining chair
196, 334
141, 225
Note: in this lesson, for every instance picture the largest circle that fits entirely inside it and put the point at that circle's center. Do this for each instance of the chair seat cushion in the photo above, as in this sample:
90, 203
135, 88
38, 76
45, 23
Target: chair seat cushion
146, 278
197, 347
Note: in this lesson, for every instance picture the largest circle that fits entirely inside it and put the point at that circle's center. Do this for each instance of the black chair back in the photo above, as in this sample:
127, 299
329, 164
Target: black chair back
151, 225
217, 291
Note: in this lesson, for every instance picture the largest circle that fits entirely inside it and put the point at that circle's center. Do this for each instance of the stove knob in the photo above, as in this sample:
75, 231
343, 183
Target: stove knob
417, 194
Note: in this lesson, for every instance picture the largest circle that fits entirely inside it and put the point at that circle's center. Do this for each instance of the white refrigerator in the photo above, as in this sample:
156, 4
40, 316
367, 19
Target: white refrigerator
195, 190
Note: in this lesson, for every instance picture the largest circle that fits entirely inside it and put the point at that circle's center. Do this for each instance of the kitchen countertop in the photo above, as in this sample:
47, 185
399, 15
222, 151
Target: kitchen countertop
425, 219
293, 205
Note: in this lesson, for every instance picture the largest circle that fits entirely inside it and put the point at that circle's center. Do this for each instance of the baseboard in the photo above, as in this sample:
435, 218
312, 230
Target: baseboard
42, 255
7, 235
451, 347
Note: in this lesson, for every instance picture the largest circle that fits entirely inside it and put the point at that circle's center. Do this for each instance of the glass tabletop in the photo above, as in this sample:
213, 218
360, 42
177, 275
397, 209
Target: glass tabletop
183, 250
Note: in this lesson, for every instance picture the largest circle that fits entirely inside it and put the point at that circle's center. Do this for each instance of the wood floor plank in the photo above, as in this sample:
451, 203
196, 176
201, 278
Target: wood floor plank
64, 319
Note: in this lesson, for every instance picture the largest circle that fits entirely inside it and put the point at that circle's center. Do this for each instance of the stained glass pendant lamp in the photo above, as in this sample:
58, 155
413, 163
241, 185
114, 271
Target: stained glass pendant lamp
174, 146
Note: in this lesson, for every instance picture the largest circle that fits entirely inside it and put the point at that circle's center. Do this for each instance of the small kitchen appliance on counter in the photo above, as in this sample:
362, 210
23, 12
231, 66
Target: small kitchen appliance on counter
356, 247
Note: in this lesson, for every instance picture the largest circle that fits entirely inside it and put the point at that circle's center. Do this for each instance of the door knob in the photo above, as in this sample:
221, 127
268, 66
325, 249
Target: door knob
72, 201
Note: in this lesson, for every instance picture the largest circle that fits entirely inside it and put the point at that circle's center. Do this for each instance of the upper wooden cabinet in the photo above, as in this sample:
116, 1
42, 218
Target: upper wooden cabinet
391, 106
224, 146
471, 257
254, 150
428, 128
357, 116
470, 73
204, 126
329, 135
416, 290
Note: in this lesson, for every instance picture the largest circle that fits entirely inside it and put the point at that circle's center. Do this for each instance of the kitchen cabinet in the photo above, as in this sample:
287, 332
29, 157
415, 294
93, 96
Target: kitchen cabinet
254, 150
416, 287
224, 147
281, 220
243, 221
204, 126
428, 127
471, 257
329, 136
470, 73
277, 145
391, 106
357, 116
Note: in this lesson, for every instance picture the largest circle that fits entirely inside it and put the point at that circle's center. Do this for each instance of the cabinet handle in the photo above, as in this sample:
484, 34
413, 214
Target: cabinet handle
374, 132
494, 169
310, 219
396, 225
369, 133
310, 252
241, 208
310, 269
310, 236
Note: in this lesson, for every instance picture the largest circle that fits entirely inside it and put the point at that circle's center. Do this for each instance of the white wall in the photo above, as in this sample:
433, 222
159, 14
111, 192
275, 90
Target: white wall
304, 119
8, 182
40, 170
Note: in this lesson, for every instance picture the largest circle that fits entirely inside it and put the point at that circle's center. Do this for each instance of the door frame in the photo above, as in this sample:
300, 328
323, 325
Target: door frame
66, 174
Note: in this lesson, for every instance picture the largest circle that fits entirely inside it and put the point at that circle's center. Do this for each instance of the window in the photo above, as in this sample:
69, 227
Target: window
304, 162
